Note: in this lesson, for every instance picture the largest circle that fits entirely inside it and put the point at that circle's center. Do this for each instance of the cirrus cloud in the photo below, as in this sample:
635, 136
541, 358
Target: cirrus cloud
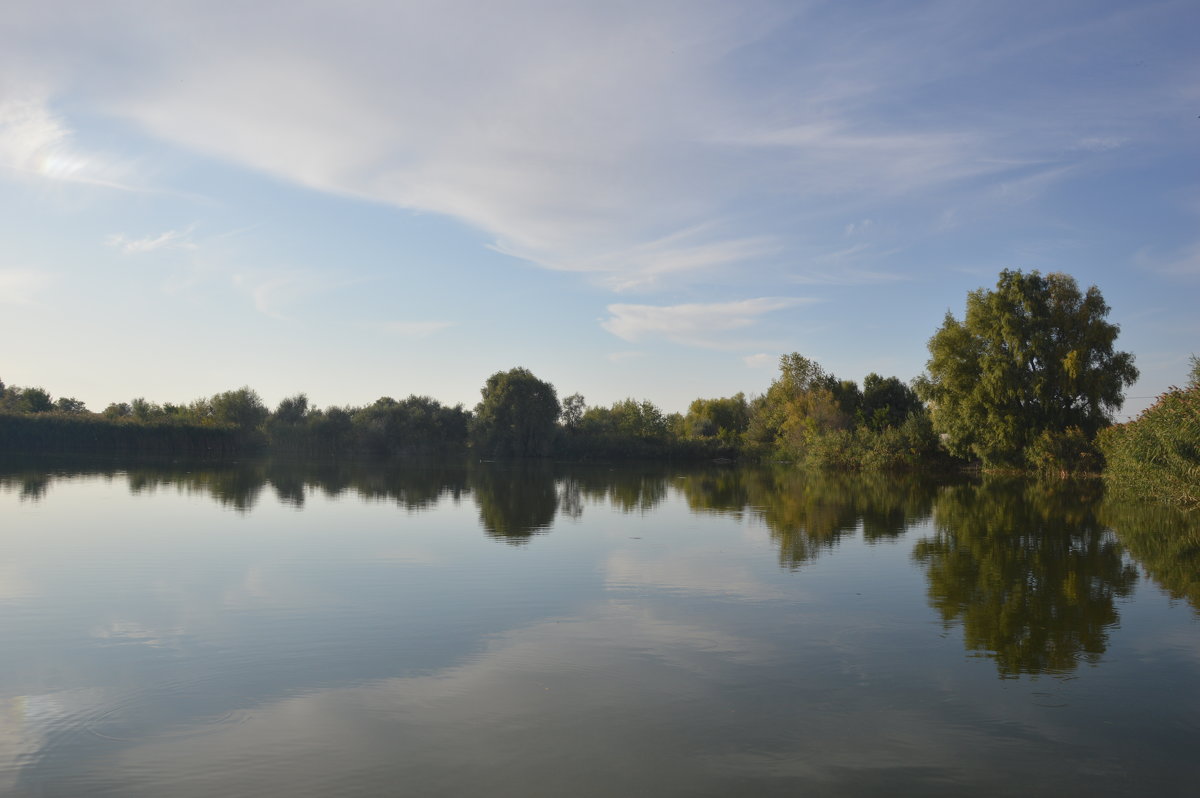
698, 324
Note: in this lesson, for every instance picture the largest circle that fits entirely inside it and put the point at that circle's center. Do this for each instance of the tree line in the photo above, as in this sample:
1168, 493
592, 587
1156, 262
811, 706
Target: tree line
1028, 378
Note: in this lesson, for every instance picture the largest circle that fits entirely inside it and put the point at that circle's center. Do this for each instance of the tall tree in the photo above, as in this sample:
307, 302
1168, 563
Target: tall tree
1033, 355
517, 415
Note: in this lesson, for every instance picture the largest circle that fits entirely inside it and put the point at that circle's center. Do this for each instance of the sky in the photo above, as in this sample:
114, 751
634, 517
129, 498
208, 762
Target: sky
631, 199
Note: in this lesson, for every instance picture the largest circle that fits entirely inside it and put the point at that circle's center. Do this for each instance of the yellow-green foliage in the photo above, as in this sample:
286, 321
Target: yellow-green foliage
1157, 455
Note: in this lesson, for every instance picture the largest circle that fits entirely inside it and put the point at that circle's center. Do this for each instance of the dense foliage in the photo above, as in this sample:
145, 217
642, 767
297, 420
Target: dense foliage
1032, 357
1028, 378
517, 415
1157, 455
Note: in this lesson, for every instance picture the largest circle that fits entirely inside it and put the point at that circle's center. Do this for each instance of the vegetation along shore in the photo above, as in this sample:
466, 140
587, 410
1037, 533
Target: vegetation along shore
1028, 379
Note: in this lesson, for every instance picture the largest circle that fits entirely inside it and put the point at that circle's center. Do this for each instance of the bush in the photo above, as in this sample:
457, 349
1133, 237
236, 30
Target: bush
1065, 452
1157, 455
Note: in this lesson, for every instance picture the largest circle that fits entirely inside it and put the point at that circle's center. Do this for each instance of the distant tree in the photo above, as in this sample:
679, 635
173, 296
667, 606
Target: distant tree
69, 404
242, 408
1033, 355
516, 416
117, 410
725, 418
802, 402
144, 410
573, 408
36, 400
292, 409
886, 402
638, 419
849, 398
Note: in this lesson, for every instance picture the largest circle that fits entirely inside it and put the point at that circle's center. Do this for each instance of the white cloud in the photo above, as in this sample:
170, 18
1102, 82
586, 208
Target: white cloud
637, 147
578, 138
21, 286
275, 293
693, 251
760, 361
171, 239
35, 142
31, 139
691, 324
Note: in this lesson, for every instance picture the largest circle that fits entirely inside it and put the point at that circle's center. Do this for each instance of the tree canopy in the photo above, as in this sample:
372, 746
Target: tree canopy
1032, 356
517, 415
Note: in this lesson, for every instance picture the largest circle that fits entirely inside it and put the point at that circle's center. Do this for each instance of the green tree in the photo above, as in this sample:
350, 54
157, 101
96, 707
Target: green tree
1033, 355
886, 402
117, 410
242, 408
725, 418
517, 415
291, 410
71, 405
801, 403
28, 400
573, 408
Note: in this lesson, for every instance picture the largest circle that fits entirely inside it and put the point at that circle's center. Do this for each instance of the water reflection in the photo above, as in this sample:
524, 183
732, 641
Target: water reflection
394, 636
1031, 571
1028, 570
808, 513
515, 501
1165, 540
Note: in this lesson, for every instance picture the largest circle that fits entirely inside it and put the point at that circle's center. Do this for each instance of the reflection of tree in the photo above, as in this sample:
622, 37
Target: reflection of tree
1028, 571
516, 500
239, 485
236, 486
718, 490
809, 512
628, 488
1166, 542
34, 488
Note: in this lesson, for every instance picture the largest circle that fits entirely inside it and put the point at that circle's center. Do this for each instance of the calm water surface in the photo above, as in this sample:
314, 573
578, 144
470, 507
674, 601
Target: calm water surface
540, 631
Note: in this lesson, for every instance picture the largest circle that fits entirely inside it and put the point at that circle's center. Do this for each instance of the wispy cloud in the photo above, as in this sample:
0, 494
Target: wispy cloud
1029, 186
171, 239
1100, 143
35, 142
691, 324
759, 361
601, 143
275, 294
566, 153
412, 329
691, 252
21, 286
1184, 261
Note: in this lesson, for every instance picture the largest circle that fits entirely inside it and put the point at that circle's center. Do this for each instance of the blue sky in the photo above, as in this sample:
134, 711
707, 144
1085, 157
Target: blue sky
647, 199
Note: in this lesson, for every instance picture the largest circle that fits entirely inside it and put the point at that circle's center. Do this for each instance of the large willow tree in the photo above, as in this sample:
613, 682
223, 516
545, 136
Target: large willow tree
1032, 356
516, 417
